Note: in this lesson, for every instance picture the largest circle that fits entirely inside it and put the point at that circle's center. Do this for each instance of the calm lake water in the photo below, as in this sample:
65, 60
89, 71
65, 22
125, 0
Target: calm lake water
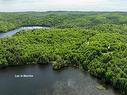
46, 81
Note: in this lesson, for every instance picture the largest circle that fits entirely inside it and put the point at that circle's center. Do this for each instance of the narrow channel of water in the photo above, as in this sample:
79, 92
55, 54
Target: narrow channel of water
12, 32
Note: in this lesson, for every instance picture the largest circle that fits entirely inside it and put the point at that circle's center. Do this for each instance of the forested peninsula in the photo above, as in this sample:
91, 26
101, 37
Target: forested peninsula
92, 41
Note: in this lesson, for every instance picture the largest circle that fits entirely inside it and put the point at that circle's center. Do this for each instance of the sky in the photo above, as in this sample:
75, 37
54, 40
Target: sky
63, 5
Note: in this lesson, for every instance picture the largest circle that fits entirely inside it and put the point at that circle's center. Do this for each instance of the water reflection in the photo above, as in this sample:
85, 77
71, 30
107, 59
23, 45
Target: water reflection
49, 82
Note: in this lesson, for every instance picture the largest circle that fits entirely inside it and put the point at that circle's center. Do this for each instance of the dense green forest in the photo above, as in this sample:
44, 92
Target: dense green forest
92, 41
12, 20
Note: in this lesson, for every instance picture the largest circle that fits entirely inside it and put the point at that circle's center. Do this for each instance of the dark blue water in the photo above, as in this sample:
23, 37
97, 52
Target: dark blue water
46, 81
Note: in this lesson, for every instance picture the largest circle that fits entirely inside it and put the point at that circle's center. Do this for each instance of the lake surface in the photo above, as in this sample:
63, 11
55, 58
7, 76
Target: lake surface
46, 81
12, 32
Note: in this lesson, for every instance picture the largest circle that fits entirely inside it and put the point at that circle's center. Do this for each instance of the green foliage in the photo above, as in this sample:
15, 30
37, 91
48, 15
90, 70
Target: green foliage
100, 21
96, 42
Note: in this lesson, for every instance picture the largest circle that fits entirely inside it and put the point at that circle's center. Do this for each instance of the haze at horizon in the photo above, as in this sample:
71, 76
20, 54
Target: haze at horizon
62, 5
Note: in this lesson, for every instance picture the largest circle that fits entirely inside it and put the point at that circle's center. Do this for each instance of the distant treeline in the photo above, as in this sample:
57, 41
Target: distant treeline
12, 20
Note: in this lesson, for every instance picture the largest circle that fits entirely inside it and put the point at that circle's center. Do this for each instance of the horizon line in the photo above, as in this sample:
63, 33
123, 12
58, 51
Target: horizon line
66, 11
